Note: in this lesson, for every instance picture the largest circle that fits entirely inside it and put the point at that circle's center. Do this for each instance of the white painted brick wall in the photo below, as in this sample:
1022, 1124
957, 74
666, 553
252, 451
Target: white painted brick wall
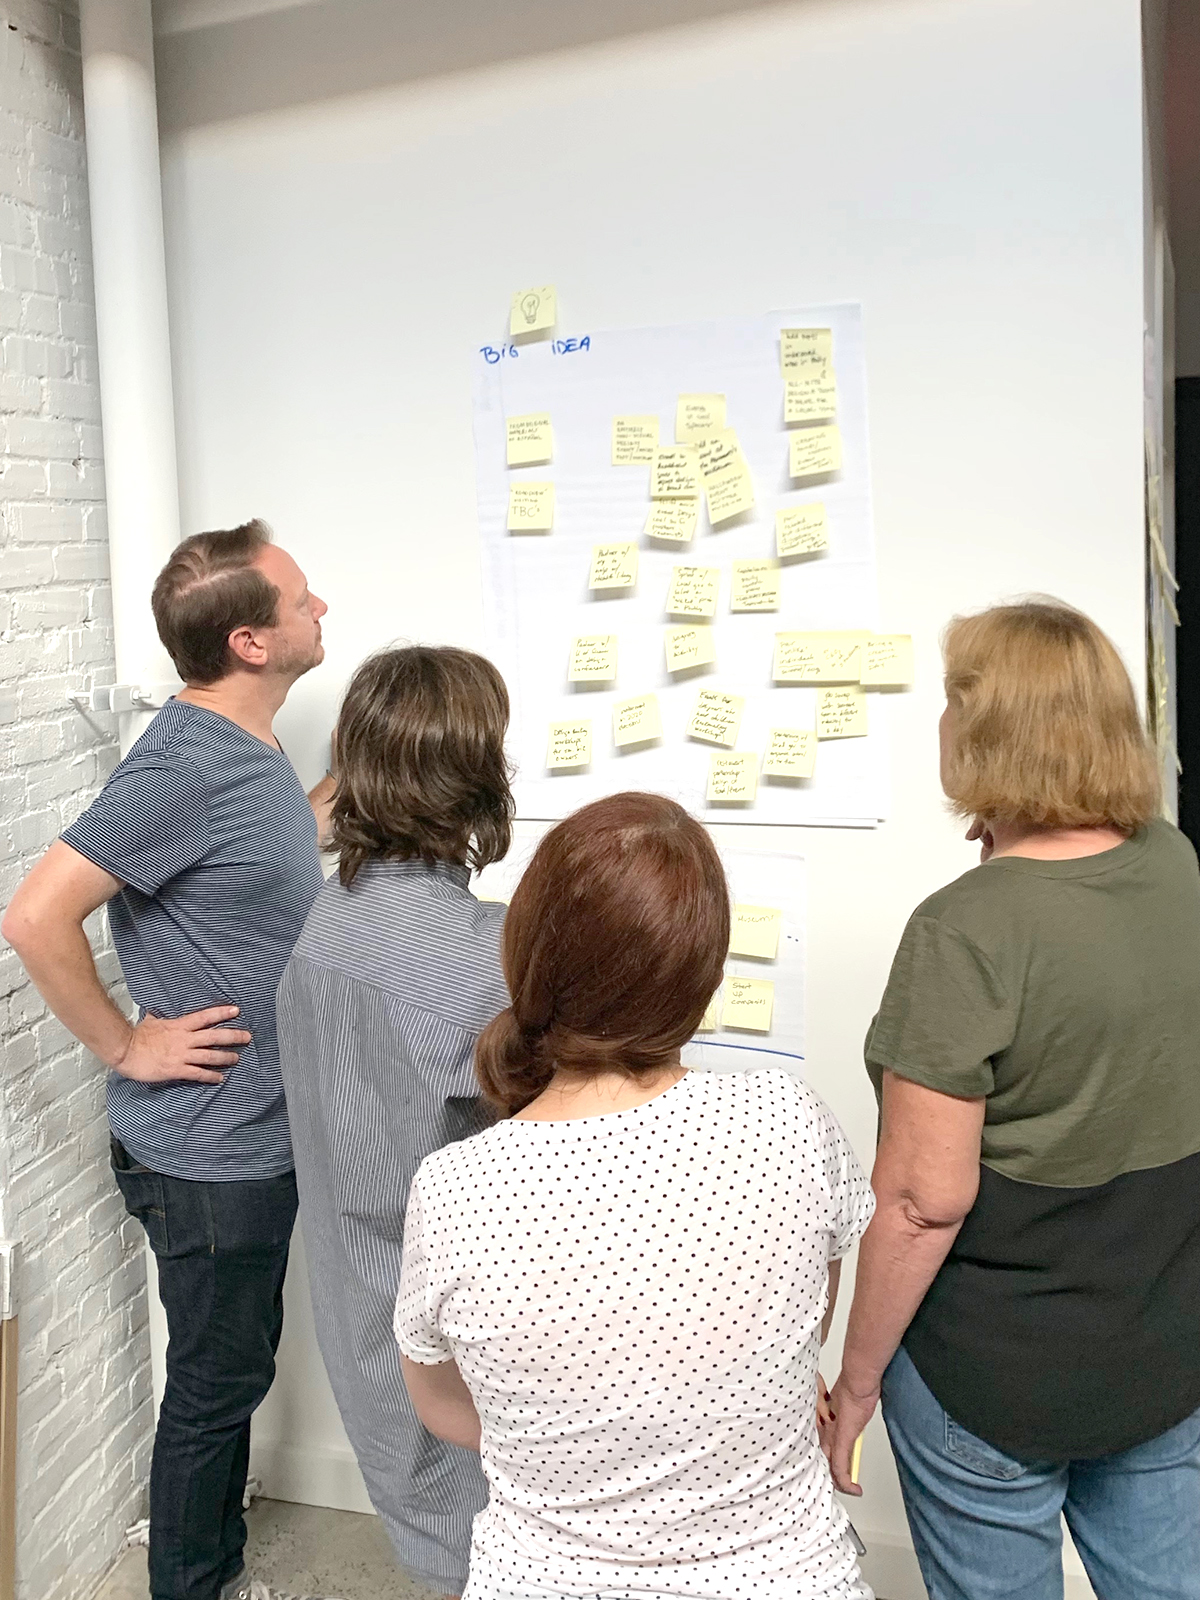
85, 1409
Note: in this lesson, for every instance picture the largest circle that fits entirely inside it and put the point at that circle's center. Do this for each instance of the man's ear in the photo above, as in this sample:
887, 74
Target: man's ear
247, 648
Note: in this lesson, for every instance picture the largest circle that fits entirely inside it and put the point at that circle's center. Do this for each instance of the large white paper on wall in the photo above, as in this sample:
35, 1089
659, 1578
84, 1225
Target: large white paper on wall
536, 594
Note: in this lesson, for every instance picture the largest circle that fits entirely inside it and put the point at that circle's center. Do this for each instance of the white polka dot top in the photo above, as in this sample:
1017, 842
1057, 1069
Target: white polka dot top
634, 1301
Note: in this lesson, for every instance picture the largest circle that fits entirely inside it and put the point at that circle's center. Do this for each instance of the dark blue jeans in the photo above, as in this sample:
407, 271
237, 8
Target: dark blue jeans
222, 1251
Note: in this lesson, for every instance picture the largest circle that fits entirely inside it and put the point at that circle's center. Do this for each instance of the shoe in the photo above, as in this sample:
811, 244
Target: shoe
244, 1588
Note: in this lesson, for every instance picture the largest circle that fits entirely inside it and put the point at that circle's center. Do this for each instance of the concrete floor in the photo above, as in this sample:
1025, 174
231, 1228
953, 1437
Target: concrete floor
304, 1550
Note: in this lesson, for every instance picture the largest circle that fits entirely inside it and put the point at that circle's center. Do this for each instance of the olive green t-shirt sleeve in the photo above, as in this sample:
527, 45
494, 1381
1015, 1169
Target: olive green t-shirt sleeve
944, 1013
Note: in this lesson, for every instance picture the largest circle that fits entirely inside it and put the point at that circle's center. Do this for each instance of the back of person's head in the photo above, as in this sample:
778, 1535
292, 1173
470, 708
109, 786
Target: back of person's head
1044, 729
614, 944
209, 587
421, 771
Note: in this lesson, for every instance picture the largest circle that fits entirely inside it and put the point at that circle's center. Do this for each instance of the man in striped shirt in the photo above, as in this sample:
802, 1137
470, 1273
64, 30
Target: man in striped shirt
204, 847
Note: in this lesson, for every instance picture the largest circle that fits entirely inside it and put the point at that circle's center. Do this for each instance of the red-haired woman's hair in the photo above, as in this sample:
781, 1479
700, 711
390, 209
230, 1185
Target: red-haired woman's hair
614, 944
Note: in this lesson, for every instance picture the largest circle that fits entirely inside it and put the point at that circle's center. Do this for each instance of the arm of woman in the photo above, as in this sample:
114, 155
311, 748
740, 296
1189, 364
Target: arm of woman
442, 1401
926, 1178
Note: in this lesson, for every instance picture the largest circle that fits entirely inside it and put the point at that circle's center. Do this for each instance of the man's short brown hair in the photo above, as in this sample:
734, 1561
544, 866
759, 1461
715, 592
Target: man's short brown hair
209, 587
1044, 728
421, 770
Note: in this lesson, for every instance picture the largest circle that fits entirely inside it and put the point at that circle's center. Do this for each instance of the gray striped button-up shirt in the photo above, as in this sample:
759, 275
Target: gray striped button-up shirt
389, 986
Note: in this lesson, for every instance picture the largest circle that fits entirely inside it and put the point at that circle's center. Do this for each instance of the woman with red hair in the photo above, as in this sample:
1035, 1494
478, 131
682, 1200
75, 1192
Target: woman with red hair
617, 1294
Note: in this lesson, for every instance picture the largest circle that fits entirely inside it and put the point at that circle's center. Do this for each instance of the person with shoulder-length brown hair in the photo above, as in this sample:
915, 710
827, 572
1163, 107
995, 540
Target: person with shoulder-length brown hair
1027, 1297
395, 974
617, 1294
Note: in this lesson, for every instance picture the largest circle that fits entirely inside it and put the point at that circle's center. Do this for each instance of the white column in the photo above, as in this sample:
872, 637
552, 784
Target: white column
131, 321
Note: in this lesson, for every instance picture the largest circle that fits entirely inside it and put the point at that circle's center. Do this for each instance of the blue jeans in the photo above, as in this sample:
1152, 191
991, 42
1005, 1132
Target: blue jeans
987, 1527
222, 1251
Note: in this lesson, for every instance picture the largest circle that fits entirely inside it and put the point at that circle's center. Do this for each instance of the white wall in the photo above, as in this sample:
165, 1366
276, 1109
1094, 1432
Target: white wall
970, 170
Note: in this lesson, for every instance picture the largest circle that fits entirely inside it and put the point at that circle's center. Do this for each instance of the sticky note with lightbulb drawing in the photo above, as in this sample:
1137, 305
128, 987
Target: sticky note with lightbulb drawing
533, 310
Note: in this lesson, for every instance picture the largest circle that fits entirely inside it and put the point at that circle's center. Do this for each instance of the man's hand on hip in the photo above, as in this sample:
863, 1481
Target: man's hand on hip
187, 1049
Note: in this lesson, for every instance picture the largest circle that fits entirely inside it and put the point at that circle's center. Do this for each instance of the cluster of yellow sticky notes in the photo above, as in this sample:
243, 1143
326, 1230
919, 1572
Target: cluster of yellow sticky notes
755, 586
888, 661
570, 744
818, 657
614, 566
733, 777
637, 720
842, 713
810, 398
749, 1003
791, 753
533, 310
717, 717
754, 931
698, 415
801, 530
530, 507
593, 658
530, 439
805, 351
712, 1011
689, 647
694, 591
634, 441
673, 520
674, 472
815, 451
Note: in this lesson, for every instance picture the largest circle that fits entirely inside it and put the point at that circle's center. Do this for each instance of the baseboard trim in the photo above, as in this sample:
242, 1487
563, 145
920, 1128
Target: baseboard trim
325, 1476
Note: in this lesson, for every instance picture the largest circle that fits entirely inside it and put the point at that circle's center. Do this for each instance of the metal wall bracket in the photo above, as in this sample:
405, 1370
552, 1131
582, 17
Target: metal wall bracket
122, 697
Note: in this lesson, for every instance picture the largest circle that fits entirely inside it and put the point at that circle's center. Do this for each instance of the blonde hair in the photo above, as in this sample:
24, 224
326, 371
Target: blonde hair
1045, 729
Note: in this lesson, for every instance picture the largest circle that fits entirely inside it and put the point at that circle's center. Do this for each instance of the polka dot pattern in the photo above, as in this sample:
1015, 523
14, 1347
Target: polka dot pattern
634, 1301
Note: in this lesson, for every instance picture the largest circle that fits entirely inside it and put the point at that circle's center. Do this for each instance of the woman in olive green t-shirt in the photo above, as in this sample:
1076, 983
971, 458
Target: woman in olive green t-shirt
1028, 1295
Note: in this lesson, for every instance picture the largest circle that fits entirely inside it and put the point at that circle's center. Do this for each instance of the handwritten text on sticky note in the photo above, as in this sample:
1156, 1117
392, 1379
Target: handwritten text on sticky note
698, 414
673, 521
755, 586
805, 350
570, 744
614, 566
801, 530
530, 507
841, 713
694, 591
754, 931
717, 717
593, 658
733, 777
814, 451
729, 494
636, 720
634, 441
689, 647
818, 657
749, 1003
888, 661
530, 439
791, 753
811, 398
673, 472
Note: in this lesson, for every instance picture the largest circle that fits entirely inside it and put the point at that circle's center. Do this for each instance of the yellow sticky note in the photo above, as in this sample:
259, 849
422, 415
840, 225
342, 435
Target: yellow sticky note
530, 507
755, 586
888, 661
749, 1003
754, 931
818, 657
674, 472
634, 441
717, 717
805, 350
533, 310
593, 658
813, 451
708, 1022
841, 713
791, 753
810, 398
570, 744
729, 493
689, 647
694, 591
698, 414
717, 453
801, 530
733, 777
614, 566
530, 439
673, 520
636, 720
